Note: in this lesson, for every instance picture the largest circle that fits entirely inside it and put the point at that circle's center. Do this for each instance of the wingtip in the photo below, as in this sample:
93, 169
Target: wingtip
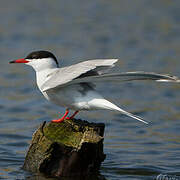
170, 79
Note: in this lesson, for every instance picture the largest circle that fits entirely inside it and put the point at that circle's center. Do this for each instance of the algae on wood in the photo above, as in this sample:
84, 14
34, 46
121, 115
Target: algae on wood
73, 147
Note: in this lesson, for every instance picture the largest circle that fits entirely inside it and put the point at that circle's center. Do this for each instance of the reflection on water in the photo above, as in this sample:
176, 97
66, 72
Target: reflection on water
143, 34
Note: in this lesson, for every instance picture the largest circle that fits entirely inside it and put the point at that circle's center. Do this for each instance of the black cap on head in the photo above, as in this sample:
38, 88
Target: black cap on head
41, 54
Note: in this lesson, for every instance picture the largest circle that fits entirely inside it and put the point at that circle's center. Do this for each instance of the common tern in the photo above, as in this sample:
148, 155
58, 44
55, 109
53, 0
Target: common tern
73, 87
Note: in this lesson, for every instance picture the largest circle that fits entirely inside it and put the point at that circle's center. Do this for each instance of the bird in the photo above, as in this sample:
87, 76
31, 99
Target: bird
74, 87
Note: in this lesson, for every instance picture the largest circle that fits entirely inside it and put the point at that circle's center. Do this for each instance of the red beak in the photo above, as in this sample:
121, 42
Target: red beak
19, 61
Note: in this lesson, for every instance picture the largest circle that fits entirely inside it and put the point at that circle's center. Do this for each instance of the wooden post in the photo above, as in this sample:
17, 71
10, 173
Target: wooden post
71, 148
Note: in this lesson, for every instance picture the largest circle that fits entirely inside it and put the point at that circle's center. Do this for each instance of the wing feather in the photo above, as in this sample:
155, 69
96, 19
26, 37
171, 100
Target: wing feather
127, 76
94, 71
65, 75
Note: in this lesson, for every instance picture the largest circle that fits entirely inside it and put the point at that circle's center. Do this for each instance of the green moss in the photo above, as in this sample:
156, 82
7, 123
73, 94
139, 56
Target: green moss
65, 133
70, 132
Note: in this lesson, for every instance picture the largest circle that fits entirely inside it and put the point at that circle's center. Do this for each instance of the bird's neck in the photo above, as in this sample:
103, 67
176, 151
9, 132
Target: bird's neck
43, 75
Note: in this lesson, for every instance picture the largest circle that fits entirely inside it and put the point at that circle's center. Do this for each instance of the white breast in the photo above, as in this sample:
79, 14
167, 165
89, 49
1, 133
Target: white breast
71, 97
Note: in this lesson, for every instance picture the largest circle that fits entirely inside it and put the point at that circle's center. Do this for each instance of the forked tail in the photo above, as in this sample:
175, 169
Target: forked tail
132, 115
105, 104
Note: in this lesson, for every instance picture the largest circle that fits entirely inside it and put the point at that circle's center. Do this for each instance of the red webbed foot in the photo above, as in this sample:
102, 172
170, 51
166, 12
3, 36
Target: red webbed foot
71, 117
61, 119
58, 120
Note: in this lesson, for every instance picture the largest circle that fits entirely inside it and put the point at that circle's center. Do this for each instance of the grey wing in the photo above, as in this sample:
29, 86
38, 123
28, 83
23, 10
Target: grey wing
121, 77
127, 76
66, 75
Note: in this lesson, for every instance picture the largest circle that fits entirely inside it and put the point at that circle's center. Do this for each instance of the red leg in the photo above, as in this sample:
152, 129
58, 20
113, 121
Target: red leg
71, 117
61, 119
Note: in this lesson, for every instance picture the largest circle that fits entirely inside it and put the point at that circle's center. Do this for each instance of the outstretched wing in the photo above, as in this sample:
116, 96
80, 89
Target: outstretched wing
94, 71
67, 74
127, 76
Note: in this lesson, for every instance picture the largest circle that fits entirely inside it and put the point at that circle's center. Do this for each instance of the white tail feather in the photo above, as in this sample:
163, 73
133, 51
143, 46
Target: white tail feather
132, 115
105, 104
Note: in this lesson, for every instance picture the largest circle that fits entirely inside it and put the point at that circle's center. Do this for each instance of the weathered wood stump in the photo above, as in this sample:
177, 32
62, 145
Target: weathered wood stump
71, 148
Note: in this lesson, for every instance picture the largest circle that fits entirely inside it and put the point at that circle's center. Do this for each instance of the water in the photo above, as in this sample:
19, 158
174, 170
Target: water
143, 34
